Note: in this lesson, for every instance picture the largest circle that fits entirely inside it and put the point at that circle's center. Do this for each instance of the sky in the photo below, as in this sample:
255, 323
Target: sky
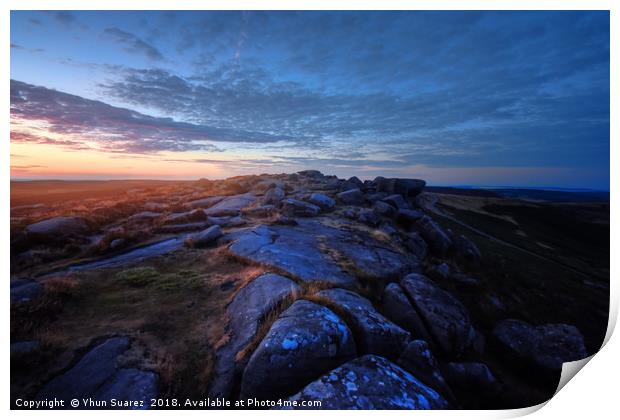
511, 98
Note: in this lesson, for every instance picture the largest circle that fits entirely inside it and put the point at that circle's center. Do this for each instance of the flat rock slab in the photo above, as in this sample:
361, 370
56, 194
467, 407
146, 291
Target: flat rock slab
57, 228
545, 346
138, 254
370, 383
232, 205
306, 251
445, 317
306, 341
247, 309
374, 333
205, 202
97, 376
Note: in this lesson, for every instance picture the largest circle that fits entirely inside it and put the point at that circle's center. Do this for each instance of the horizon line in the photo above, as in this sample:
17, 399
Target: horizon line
457, 186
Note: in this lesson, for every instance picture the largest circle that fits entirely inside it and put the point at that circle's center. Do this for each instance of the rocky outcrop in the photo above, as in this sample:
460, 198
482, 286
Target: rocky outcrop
545, 346
434, 235
249, 306
397, 307
232, 205
404, 186
292, 207
306, 341
312, 251
370, 383
374, 333
384, 209
396, 200
352, 197
445, 317
323, 201
97, 375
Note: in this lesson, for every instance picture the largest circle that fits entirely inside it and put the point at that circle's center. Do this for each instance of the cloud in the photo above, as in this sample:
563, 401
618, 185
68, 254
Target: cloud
82, 121
64, 17
506, 118
133, 43
18, 47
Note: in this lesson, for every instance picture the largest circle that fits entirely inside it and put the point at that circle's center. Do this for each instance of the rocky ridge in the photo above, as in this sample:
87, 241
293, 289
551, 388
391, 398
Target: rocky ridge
348, 311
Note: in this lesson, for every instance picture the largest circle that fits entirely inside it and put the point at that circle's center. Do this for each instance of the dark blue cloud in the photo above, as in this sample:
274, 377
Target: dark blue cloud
134, 44
117, 129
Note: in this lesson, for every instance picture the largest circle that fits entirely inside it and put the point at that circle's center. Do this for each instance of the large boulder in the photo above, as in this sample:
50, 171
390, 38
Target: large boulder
374, 333
292, 207
409, 187
384, 209
306, 341
370, 383
355, 181
351, 197
57, 228
545, 346
434, 235
403, 186
311, 173
249, 306
232, 205
446, 318
97, 375
323, 201
396, 200
396, 306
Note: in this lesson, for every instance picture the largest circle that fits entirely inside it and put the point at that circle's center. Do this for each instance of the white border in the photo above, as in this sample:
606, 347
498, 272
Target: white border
593, 394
